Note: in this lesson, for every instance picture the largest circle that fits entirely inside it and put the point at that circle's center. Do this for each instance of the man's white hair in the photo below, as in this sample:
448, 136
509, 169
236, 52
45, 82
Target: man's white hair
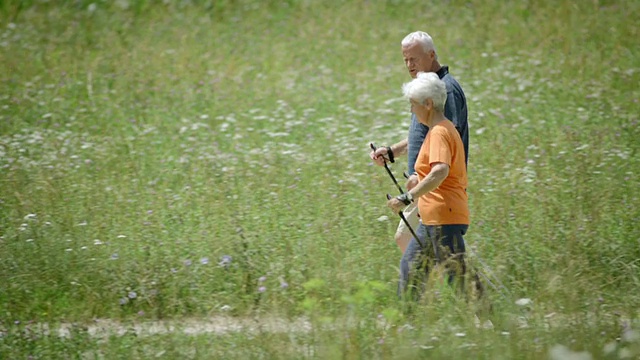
421, 38
426, 86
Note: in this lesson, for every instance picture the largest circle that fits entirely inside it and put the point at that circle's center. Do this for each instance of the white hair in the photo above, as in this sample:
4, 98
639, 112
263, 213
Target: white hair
421, 38
426, 86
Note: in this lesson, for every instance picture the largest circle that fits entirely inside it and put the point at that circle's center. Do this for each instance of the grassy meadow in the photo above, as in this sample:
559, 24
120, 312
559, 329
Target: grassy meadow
185, 160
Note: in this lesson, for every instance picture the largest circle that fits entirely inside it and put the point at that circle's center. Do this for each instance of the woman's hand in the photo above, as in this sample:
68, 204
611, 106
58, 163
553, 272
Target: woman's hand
396, 205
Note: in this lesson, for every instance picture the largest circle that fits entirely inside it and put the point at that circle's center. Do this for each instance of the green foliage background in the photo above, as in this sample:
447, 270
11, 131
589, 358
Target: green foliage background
143, 141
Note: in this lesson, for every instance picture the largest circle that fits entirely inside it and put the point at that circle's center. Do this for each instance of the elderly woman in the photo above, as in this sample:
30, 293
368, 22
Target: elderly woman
441, 192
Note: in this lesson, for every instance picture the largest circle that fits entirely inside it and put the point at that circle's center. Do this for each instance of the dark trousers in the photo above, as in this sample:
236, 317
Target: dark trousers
416, 261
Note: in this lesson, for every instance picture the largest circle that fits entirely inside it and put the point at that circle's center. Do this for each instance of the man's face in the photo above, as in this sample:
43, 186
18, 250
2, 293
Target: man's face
417, 60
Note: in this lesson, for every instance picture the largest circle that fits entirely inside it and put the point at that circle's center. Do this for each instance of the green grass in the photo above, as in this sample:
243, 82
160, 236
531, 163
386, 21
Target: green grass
141, 144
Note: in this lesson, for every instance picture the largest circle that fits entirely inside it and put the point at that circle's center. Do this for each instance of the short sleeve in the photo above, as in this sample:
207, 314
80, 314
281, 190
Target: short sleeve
440, 147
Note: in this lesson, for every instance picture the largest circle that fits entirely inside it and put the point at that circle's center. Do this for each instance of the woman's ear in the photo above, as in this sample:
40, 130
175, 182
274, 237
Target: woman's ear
428, 107
428, 103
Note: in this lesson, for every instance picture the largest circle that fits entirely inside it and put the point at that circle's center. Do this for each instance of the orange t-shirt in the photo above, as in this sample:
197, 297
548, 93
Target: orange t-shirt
448, 203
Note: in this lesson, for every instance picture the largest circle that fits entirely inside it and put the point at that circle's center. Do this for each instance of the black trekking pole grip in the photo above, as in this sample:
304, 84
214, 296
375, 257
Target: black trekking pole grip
373, 147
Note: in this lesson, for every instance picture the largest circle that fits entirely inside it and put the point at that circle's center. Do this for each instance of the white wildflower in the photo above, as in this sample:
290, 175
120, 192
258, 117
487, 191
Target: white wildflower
524, 302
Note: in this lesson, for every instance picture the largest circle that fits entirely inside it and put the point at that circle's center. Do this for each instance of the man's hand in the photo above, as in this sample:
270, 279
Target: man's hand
379, 156
396, 205
412, 181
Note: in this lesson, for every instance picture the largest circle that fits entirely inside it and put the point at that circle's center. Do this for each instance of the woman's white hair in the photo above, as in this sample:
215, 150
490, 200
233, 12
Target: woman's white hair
426, 86
421, 38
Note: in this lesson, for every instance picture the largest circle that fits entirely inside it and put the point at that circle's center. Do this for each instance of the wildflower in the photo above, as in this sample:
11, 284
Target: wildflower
140, 313
204, 261
284, 285
187, 262
132, 295
114, 256
30, 217
97, 242
225, 261
262, 289
262, 279
123, 301
523, 302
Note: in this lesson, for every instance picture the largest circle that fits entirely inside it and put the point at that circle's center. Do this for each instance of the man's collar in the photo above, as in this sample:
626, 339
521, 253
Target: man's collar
444, 70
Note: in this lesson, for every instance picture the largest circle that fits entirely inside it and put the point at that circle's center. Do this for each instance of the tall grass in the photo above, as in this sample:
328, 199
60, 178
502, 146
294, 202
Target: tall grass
170, 160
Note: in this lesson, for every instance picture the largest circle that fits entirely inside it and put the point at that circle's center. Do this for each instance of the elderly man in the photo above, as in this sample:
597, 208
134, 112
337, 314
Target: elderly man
420, 56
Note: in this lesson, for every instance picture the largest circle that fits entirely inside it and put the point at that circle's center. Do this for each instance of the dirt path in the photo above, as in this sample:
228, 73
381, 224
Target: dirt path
213, 325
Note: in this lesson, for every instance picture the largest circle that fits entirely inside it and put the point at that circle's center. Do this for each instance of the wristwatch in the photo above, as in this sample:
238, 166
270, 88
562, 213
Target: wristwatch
406, 198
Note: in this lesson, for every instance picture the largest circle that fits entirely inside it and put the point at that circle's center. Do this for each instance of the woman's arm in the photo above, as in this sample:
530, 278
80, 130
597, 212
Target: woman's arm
435, 177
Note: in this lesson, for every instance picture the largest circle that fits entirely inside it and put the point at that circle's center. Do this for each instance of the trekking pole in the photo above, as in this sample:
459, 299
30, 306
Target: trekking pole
404, 219
436, 250
388, 171
501, 289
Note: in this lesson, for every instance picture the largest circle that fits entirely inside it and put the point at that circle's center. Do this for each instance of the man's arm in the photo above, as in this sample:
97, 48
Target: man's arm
400, 148
451, 110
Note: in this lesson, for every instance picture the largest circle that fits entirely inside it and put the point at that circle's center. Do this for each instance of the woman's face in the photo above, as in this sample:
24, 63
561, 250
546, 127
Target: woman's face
423, 111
